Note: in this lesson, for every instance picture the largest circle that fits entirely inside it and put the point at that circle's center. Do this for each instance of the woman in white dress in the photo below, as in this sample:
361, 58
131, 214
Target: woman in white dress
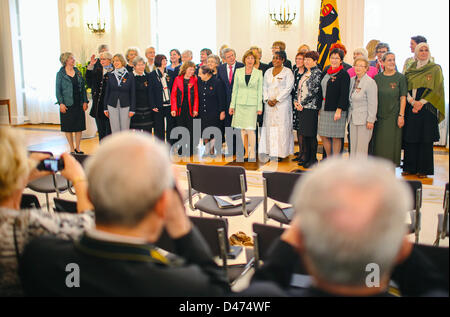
277, 140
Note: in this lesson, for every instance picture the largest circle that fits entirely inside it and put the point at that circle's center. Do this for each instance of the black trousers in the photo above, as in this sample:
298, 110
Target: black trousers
103, 127
418, 158
164, 123
309, 149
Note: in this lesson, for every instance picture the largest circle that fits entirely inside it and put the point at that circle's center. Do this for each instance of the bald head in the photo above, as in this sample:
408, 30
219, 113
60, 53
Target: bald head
127, 176
351, 214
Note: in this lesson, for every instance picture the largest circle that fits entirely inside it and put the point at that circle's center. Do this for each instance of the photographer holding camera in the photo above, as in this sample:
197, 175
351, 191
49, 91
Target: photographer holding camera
18, 227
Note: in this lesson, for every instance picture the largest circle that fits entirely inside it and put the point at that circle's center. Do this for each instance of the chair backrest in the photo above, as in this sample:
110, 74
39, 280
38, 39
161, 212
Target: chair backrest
209, 227
29, 201
42, 152
216, 180
62, 205
80, 157
264, 236
415, 187
280, 185
439, 256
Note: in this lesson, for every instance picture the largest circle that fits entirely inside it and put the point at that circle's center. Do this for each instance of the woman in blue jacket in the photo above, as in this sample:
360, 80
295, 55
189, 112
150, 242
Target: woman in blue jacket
120, 98
72, 99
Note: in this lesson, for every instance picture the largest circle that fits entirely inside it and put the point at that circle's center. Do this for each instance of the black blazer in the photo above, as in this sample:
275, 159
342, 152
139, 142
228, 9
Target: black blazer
173, 74
97, 82
337, 92
121, 269
156, 88
222, 73
126, 92
211, 98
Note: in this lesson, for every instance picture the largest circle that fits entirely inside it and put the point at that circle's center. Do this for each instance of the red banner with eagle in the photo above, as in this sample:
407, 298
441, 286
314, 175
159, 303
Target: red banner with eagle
329, 32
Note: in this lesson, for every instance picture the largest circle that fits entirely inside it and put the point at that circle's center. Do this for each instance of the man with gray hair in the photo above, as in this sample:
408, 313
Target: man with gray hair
132, 188
349, 230
186, 56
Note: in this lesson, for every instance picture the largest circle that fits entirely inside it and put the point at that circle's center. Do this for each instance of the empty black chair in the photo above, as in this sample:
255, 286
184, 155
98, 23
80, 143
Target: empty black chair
279, 186
29, 201
264, 236
219, 181
416, 188
443, 222
439, 256
62, 205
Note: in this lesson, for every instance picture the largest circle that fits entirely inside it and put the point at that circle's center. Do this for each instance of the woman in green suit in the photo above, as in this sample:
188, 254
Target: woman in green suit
246, 103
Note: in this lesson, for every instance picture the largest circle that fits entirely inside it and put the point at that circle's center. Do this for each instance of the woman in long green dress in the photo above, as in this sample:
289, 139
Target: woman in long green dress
392, 92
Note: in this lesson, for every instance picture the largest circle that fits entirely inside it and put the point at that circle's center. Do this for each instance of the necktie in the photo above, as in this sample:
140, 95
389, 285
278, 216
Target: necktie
230, 76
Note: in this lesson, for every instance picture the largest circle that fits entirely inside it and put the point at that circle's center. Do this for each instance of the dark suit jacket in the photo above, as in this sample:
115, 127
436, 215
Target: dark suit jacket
157, 89
126, 92
222, 74
274, 277
121, 269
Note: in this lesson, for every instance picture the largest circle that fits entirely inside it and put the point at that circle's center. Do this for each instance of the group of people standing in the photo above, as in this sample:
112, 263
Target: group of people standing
384, 110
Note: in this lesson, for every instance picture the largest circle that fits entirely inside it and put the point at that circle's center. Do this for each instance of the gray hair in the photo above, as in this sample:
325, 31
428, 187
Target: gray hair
138, 59
64, 57
385, 55
148, 48
103, 47
106, 55
189, 52
135, 49
227, 50
126, 177
215, 58
362, 51
326, 201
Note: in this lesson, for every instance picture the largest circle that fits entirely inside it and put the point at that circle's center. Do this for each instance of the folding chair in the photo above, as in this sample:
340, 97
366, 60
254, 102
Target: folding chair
62, 205
215, 233
278, 186
54, 183
219, 181
29, 201
443, 223
416, 187
80, 158
263, 237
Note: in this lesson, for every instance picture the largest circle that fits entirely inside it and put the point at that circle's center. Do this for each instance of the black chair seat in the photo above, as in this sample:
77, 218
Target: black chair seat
441, 223
209, 205
46, 185
277, 214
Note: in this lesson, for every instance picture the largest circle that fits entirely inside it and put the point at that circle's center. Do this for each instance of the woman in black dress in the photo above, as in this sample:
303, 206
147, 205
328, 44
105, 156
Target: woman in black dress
96, 78
143, 117
424, 111
72, 99
212, 105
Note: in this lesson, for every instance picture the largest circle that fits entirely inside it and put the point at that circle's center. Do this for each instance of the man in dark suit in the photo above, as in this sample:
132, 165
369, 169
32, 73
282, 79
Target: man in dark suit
226, 73
349, 240
132, 188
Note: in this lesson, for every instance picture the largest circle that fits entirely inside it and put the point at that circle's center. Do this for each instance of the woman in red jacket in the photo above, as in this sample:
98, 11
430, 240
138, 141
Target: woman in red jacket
184, 105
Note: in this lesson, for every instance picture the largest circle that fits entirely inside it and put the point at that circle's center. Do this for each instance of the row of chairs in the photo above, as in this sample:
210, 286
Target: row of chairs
231, 180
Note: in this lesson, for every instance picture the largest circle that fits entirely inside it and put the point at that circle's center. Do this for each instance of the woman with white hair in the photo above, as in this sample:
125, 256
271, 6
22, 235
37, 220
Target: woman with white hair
96, 79
72, 99
18, 227
150, 54
130, 55
213, 61
425, 109
143, 117
362, 52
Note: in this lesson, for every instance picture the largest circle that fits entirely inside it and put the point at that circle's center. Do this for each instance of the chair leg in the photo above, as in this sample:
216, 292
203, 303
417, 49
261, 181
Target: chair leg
47, 202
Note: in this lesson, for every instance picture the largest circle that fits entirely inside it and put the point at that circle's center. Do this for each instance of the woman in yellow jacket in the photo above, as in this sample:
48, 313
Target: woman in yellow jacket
246, 103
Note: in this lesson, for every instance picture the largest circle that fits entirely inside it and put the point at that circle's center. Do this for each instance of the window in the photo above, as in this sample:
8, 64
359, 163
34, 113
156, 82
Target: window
39, 48
183, 25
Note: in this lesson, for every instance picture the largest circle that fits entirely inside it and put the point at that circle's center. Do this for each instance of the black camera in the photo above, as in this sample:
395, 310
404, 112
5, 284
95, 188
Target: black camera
51, 164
